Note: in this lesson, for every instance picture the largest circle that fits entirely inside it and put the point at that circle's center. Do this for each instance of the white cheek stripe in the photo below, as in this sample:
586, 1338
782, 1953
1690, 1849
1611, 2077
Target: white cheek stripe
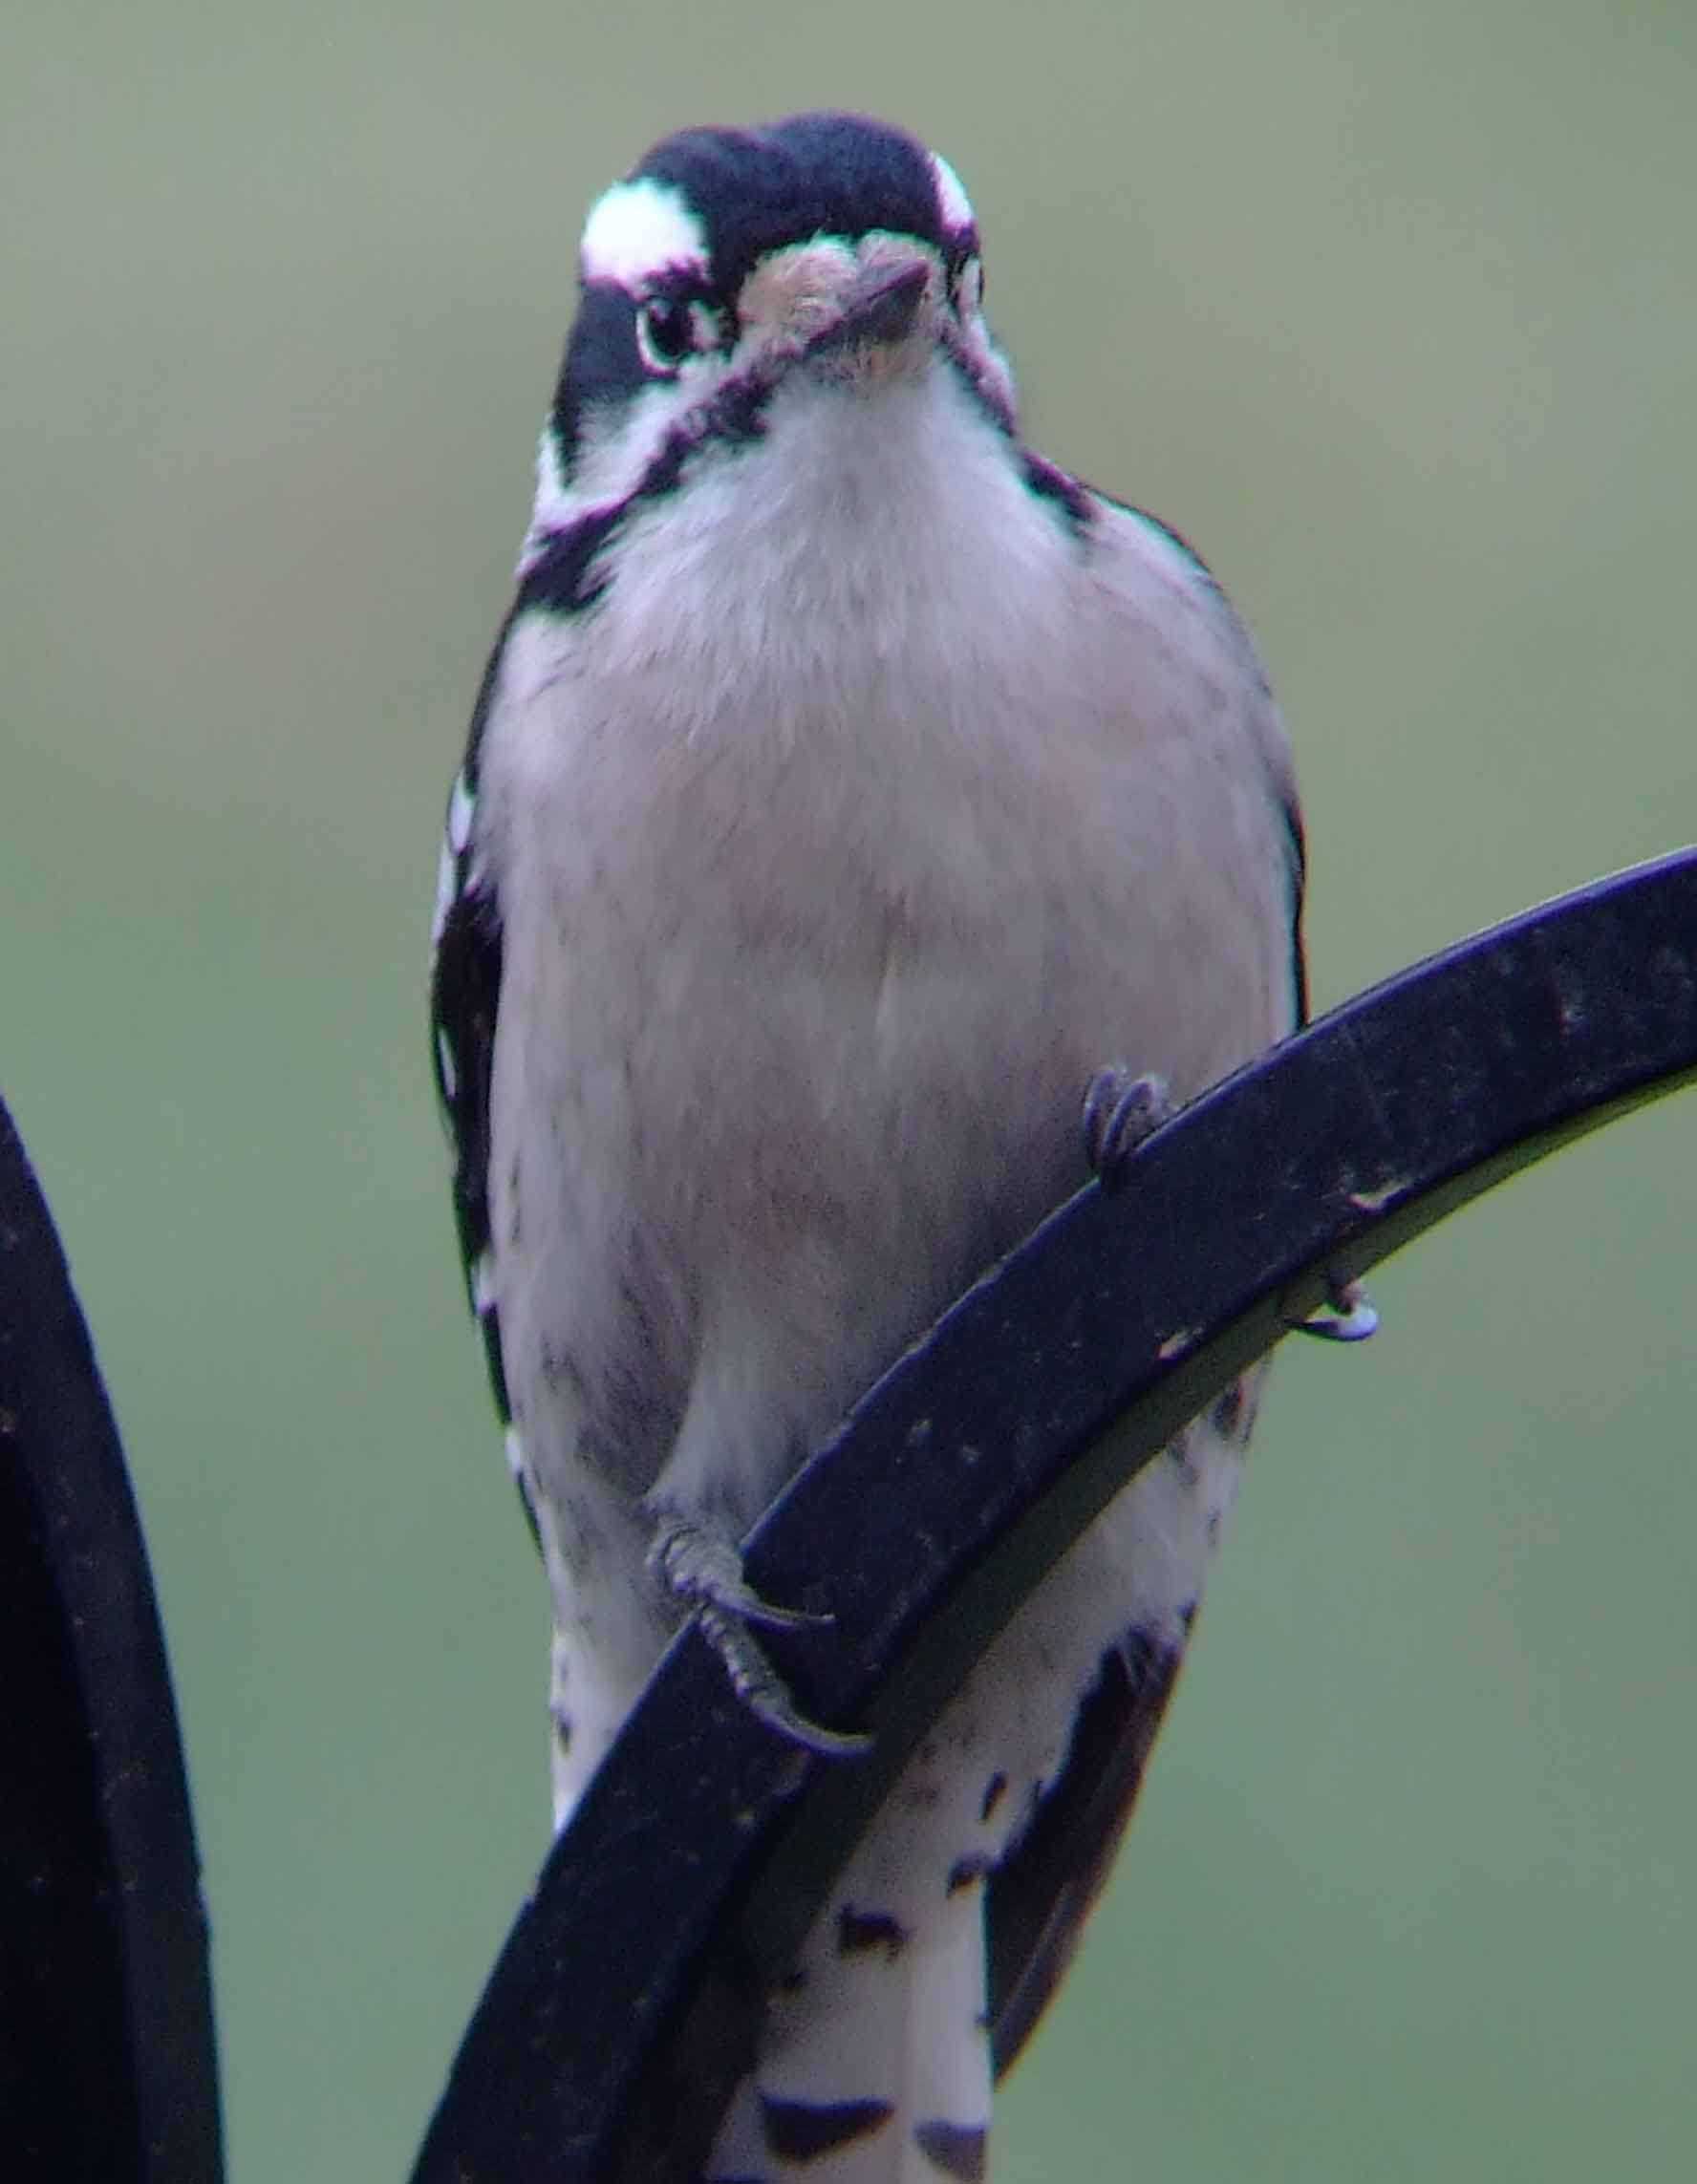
639, 228
606, 476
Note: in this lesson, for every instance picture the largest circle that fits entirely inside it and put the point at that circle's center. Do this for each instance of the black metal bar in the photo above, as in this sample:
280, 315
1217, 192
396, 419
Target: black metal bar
108, 2073
624, 2003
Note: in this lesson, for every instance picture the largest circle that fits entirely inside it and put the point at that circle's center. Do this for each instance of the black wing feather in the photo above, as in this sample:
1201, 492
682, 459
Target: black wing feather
1039, 1897
464, 999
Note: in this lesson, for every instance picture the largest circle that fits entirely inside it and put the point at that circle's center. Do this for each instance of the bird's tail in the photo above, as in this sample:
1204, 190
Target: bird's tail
875, 2068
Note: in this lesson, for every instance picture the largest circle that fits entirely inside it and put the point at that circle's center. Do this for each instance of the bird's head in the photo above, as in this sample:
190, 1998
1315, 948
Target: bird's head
735, 276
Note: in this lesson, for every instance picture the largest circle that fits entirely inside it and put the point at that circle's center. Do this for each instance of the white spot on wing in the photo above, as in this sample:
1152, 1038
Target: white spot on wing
483, 1284
445, 1062
639, 228
515, 1453
461, 807
953, 202
447, 887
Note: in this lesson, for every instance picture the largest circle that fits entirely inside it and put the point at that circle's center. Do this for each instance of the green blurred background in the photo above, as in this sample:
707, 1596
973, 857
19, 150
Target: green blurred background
1394, 310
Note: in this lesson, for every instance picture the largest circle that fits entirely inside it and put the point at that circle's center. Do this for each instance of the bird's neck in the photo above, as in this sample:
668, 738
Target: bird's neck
886, 534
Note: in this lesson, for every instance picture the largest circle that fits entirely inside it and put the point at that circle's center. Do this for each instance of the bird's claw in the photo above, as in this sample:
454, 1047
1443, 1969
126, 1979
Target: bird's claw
763, 1691
702, 1569
1349, 1314
1122, 1108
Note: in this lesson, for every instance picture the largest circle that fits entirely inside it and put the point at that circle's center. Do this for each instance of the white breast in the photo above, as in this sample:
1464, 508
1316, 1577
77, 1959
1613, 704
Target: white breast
865, 815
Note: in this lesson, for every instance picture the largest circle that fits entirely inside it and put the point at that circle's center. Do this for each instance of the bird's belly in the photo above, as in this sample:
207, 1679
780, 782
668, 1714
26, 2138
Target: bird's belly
764, 1133
904, 1122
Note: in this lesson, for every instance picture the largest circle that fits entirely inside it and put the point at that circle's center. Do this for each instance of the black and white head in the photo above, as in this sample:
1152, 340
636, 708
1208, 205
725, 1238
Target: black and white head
739, 278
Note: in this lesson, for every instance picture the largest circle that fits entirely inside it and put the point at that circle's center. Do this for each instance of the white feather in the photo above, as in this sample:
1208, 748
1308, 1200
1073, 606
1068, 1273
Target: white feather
641, 228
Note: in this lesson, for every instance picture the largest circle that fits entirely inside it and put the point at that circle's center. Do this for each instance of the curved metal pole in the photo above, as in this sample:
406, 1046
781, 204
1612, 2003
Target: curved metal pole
624, 2003
107, 2062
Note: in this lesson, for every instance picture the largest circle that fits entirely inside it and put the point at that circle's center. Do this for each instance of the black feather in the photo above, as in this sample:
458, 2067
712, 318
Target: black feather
464, 997
754, 190
1040, 1895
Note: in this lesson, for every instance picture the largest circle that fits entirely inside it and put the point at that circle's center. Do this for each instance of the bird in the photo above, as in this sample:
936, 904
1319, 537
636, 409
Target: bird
867, 831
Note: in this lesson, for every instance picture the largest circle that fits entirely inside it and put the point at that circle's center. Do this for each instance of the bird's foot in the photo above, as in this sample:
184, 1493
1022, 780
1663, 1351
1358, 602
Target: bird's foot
699, 1566
1121, 1110
702, 1569
1349, 1314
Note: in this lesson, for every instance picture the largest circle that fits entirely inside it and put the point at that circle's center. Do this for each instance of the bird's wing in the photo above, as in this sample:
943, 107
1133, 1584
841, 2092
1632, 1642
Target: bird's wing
1039, 1897
464, 997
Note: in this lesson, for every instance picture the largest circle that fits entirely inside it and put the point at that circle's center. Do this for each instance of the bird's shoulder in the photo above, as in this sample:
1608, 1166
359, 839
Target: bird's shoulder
1152, 575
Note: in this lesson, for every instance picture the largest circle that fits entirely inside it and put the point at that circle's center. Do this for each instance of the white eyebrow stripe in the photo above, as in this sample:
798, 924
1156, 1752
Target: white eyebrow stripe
953, 202
638, 228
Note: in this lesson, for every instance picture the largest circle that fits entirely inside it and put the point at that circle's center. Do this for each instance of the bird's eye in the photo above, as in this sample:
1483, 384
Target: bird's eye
969, 288
670, 328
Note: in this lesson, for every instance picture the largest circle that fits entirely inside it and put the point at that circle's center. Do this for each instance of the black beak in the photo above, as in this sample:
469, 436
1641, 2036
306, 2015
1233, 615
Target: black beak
884, 316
